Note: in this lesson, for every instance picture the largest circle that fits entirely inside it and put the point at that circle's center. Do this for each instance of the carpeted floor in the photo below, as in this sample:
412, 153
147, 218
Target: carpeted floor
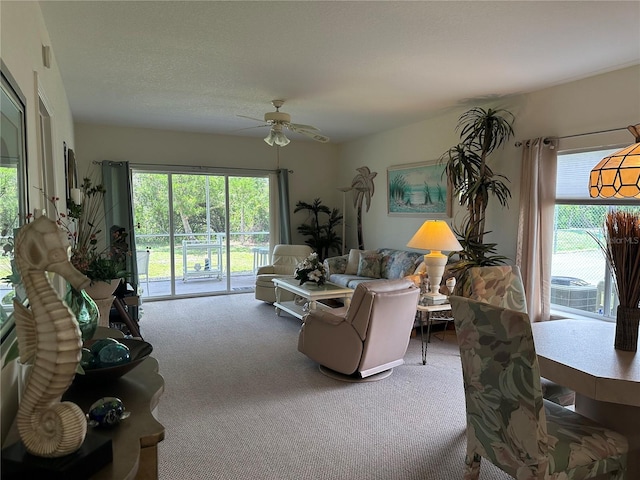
241, 402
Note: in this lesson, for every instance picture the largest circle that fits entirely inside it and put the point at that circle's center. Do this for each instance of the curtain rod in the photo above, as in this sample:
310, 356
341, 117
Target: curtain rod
548, 139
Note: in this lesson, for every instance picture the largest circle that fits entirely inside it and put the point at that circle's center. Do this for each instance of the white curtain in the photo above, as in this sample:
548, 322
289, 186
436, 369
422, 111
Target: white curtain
535, 224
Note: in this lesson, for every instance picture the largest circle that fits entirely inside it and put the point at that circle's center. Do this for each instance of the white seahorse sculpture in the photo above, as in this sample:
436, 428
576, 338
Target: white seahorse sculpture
50, 339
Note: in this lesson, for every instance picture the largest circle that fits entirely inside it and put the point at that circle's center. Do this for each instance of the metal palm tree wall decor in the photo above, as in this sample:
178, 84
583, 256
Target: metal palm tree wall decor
363, 188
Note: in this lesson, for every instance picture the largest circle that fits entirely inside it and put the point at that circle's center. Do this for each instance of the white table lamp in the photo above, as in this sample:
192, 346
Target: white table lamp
435, 235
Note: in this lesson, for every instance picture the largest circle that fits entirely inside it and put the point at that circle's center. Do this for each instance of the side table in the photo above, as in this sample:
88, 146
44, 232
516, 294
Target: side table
426, 316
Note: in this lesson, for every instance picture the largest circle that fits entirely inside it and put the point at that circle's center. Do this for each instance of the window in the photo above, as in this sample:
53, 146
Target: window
13, 197
206, 233
581, 281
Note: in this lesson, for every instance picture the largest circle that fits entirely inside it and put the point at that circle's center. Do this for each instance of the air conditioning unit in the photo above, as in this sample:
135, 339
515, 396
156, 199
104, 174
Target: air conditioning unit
575, 296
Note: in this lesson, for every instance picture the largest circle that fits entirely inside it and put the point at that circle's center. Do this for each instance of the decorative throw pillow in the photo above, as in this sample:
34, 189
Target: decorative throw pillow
369, 265
352, 264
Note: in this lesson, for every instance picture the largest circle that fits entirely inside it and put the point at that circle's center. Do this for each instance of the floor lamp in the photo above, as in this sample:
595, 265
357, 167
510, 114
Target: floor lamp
435, 235
344, 191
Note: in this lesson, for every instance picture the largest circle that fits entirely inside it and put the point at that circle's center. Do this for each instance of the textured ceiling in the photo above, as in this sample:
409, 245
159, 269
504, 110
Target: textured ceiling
349, 68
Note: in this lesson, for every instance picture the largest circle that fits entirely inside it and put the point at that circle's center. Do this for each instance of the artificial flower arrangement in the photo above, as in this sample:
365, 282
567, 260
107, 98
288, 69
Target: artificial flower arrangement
311, 270
82, 225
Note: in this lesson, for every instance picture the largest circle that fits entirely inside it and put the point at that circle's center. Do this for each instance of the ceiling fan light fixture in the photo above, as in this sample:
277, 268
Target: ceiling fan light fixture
270, 138
281, 139
276, 136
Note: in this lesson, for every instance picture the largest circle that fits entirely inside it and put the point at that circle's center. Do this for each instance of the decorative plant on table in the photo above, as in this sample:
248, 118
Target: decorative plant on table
311, 269
622, 251
323, 239
102, 264
473, 181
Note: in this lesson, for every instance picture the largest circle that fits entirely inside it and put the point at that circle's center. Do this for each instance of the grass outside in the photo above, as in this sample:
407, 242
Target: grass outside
575, 240
242, 259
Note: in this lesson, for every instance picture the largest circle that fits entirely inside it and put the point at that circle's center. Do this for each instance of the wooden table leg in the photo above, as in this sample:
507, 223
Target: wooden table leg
122, 310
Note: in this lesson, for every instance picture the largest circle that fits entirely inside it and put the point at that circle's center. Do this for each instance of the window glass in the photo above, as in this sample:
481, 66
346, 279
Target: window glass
12, 192
581, 281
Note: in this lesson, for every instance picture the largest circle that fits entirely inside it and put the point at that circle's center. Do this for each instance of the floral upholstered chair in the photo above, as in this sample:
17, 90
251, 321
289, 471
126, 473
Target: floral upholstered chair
502, 286
498, 285
508, 422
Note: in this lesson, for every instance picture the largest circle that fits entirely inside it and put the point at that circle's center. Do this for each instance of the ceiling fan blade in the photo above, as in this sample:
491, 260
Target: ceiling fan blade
252, 118
316, 136
251, 128
299, 126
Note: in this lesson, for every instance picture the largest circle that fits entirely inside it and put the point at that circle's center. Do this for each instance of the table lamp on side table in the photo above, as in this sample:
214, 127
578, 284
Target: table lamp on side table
435, 235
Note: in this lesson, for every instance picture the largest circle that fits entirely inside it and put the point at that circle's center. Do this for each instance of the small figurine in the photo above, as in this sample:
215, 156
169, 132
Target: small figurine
107, 412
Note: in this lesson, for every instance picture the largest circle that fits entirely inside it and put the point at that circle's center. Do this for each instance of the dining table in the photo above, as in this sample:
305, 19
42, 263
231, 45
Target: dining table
580, 354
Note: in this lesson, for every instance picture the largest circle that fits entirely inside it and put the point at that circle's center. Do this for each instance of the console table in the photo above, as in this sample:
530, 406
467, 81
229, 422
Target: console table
135, 440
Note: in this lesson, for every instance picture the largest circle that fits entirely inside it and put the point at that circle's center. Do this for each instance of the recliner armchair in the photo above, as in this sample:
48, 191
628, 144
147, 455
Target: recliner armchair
369, 337
284, 260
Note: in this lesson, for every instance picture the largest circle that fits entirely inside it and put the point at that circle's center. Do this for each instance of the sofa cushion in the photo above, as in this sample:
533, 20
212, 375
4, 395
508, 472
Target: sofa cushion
353, 262
369, 265
348, 281
336, 265
398, 263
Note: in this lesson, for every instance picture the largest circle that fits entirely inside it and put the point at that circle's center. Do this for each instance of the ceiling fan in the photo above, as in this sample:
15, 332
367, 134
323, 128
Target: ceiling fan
277, 120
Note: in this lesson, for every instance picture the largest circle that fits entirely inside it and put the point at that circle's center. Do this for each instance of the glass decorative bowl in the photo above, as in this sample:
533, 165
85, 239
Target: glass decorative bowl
139, 351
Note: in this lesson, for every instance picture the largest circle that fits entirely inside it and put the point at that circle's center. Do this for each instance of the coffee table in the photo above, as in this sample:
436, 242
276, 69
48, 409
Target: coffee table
310, 293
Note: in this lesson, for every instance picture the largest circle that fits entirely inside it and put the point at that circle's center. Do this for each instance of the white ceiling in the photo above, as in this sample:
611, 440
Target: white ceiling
349, 68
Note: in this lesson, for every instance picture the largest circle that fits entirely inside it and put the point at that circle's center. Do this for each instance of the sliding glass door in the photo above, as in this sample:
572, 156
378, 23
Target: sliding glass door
205, 233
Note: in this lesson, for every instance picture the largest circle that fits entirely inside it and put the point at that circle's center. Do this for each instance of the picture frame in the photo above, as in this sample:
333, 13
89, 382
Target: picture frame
71, 170
419, 189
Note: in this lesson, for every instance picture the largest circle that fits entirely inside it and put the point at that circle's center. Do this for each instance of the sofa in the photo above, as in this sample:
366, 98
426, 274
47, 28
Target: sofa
367, 265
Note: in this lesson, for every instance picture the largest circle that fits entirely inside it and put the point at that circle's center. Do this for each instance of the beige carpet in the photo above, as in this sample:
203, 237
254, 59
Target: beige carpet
241, 402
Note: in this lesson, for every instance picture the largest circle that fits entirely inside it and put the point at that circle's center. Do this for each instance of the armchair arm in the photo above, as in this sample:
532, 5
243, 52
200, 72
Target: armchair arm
334, 345
325, 316
266, 269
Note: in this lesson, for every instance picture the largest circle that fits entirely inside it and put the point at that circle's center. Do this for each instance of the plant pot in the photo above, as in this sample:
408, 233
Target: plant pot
627, 321
102, 294
101, 289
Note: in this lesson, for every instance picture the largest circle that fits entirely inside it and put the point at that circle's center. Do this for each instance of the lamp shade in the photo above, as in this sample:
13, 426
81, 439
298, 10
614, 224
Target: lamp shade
618, 175
435, 235
276, 136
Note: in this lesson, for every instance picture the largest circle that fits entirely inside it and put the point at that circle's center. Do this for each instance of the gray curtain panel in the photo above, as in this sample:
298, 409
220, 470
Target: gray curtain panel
283, 206
118, 208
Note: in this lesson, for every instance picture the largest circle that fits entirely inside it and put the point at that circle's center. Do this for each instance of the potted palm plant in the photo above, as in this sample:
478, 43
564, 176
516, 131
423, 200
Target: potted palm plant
320, 228
474, 182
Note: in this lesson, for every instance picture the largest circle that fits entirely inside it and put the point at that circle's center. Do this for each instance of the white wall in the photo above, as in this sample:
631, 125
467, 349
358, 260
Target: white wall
603, 102
22, 34
314, 165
